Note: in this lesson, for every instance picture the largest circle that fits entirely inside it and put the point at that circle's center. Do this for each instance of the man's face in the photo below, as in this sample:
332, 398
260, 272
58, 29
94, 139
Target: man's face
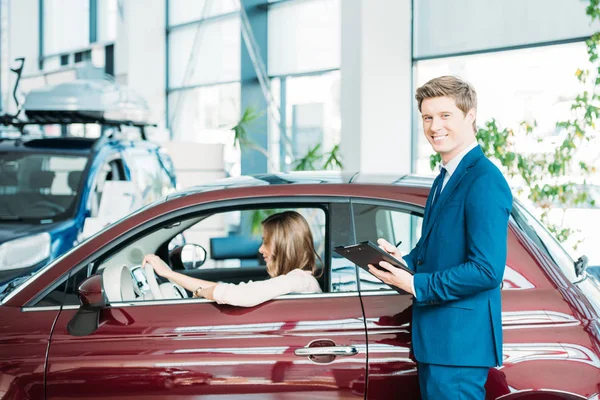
446, 128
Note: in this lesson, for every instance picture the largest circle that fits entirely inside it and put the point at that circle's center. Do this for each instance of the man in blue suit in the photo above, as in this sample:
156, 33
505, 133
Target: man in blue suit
460, 258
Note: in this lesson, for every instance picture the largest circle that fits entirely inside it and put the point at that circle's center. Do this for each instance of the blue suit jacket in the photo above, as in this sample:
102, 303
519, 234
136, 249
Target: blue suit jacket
459, 263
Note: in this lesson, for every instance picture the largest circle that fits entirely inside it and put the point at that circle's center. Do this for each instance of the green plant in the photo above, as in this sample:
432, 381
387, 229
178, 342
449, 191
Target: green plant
241, 137
315, 160
542, 177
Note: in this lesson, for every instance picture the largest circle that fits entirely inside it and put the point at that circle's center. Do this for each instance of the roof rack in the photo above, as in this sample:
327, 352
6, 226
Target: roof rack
99, 100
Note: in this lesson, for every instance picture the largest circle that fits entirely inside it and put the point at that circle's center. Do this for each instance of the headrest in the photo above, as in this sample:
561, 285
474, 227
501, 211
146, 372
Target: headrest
41, 179
73, 180
118, 283
234, 247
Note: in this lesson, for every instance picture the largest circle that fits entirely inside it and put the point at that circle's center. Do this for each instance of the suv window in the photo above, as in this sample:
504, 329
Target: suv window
543, 240
39, 186
149, 175
394, 224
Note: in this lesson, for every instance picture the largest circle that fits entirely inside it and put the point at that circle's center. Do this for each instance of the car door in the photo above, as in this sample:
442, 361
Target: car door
295, 346
388, 313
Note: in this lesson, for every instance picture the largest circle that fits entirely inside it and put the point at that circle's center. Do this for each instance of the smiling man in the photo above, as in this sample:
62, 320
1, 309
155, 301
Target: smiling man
460, 258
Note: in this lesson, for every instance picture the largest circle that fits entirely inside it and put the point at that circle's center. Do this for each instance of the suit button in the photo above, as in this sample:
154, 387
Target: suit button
419, 262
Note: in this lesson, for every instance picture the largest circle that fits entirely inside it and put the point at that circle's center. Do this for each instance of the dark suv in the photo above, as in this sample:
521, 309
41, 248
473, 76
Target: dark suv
49, 187
58, 163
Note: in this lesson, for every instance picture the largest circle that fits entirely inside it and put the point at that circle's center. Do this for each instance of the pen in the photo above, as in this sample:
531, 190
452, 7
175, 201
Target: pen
399, 243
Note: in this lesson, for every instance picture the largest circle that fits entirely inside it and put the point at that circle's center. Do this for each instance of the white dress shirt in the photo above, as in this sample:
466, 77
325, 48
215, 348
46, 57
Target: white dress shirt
450, 169
253, 293
453, 164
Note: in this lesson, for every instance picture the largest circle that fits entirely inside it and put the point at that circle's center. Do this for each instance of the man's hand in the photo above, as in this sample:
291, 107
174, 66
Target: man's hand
395, 276
390, 248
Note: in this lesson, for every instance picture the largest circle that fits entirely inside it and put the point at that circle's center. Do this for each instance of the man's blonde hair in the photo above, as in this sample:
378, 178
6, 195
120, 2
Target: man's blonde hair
462, 92
292, 243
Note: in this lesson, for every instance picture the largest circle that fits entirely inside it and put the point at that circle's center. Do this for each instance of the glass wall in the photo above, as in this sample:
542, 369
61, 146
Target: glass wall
311, 114
108, 16
304, 36
304, 47
66, 31
205, 53
185, 11
204, 68
68, 37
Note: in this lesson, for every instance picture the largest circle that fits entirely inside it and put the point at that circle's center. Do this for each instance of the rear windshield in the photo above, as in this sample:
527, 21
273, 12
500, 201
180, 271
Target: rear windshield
37, 186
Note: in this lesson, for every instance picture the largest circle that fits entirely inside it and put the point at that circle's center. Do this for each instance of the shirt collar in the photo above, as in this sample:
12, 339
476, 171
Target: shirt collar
453, 164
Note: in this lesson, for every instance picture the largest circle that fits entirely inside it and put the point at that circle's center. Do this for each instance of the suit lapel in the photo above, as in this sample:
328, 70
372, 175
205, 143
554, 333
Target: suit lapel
463, 168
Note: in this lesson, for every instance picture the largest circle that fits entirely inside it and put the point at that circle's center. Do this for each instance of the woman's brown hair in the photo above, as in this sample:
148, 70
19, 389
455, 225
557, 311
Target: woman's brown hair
289, 235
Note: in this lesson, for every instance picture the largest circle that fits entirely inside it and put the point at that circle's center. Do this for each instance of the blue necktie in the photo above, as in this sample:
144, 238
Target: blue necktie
438, 187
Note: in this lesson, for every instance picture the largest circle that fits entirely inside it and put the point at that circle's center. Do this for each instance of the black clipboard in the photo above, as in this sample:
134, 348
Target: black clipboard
365, 253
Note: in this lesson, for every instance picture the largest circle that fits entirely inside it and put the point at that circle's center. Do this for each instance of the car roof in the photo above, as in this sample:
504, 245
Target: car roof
308, 178
68, 144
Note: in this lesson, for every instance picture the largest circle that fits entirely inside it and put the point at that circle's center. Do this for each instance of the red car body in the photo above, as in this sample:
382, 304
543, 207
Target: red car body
193, 347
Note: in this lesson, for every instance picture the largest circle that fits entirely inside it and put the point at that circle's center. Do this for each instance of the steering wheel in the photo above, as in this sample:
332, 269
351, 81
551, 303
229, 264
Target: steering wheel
49, 205
169, 290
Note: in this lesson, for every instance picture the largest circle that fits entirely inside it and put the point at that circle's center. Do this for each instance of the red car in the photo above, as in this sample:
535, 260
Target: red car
92, 325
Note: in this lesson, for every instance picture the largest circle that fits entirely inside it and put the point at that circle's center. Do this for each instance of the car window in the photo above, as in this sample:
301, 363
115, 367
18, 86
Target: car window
544, 240
373, 221
230, 240
109, 171
39, 186
149, 175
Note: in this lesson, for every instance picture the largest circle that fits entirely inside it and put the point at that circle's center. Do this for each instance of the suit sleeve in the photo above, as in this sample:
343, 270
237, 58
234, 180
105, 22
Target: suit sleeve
487, 208
410, 259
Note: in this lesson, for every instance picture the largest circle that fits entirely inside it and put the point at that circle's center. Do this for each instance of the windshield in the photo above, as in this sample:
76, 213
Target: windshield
39, 186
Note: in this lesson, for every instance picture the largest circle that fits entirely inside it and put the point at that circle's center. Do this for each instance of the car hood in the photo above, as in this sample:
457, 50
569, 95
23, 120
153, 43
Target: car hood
15, 230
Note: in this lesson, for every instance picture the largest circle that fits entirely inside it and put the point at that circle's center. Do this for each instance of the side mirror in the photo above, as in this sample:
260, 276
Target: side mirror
189, 256
580, 265
93, 300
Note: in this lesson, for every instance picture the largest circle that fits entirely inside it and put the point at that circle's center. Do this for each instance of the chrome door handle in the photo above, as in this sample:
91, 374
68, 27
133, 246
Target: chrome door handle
335, 351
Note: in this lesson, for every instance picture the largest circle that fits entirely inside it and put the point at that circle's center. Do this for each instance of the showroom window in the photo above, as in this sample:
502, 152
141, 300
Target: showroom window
185, 11
304, 36
311, 114
204, 68
108, 16
304, 59
512, 86
205, 53
65, 32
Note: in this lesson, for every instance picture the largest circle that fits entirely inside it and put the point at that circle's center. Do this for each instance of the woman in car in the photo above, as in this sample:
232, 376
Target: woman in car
291, 259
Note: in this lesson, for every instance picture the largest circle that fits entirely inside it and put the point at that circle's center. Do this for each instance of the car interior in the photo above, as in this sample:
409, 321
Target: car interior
223, 248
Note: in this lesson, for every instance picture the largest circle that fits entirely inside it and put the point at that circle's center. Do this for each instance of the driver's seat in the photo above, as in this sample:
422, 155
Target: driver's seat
118, 283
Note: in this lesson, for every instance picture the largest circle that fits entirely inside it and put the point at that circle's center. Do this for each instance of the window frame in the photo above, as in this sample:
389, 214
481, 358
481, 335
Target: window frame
151, 224
399, 206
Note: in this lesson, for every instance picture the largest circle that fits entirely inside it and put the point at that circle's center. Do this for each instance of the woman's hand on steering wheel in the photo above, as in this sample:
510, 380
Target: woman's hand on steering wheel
158, 265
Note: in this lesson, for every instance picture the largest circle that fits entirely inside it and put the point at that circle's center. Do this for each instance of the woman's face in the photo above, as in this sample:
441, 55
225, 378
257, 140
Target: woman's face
266, 249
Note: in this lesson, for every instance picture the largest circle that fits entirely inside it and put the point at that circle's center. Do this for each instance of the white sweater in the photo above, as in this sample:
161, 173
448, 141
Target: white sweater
252, 293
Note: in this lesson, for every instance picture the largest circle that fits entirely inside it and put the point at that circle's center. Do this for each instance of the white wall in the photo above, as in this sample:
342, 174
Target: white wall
449, 27
376, 100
